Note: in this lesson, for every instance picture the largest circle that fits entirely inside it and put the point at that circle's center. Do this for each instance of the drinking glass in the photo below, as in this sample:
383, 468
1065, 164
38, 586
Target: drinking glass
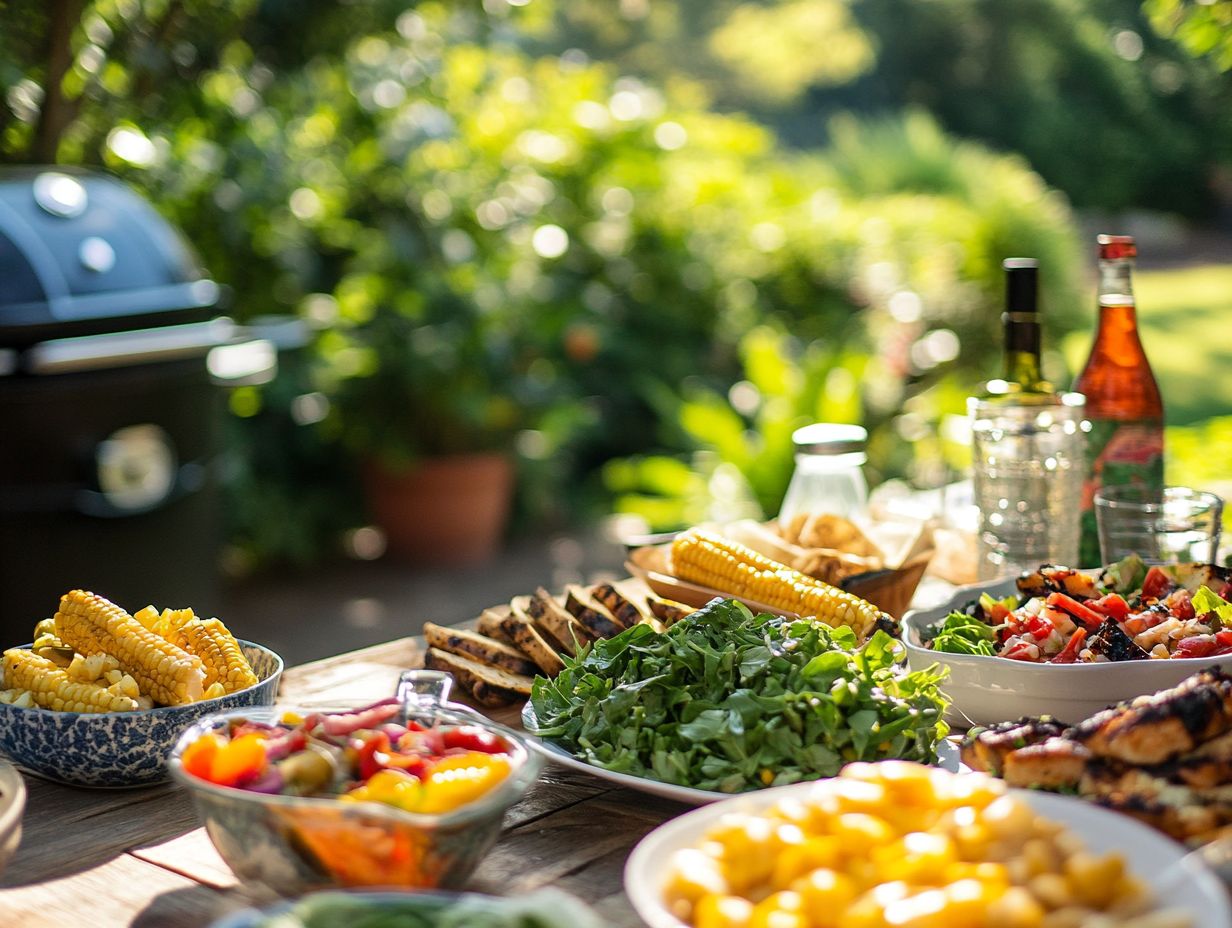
1171, 525
1028, 466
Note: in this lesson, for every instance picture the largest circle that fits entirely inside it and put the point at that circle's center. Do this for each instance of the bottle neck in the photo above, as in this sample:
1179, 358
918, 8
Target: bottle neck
1116, 286
1022, 348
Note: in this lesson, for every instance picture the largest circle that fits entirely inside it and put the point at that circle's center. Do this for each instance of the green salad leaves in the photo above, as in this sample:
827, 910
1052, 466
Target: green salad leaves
730, 701
1207, 600
960, 633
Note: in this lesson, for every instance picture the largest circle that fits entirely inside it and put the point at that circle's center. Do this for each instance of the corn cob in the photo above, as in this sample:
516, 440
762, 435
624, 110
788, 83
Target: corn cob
163, 671
220, 653
51, 687
703, 557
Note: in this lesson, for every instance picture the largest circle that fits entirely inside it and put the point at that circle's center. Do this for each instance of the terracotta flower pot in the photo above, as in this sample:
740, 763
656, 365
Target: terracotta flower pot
446, 511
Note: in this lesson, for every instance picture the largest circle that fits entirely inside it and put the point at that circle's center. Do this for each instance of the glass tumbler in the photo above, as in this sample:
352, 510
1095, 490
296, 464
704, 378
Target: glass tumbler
1171, 525
1027, 473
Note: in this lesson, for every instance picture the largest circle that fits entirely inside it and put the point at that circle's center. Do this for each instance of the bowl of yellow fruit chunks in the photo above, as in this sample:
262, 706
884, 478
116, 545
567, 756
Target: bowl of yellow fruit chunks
899, 843
101, 696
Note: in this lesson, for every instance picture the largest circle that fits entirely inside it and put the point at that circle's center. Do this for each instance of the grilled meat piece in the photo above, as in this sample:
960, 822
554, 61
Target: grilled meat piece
1153, 729
1057, 763
986, 748
1051, 579
1207, 767
1110, 641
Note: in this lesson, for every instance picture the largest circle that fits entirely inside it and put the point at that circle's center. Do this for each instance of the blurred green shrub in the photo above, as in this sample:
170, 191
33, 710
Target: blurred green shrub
540, 254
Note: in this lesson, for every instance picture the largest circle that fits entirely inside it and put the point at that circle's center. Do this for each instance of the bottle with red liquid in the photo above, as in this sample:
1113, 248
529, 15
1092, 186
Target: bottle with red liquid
1126, 442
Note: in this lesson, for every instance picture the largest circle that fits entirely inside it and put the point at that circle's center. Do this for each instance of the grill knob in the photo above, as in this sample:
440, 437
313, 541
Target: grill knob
96, 254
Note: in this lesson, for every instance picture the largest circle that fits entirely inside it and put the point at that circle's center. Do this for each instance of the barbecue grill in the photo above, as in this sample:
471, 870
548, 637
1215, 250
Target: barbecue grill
113, 362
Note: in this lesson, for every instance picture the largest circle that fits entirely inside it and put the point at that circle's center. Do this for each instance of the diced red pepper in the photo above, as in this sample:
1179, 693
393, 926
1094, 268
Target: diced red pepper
998, 613
1113, 604
474, 738
1081, 613
1069, 653
1021, 652
1038, 627
1156, 584
1180, 604
1196, 646
371, 755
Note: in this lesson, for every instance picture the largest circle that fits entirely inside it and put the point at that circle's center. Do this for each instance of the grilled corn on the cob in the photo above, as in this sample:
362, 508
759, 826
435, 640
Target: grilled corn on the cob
224, 662
163, 671
209, 640
52, 688
704, 557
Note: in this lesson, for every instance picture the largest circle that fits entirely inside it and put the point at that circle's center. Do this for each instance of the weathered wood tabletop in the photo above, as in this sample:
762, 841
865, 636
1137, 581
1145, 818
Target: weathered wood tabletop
103, 858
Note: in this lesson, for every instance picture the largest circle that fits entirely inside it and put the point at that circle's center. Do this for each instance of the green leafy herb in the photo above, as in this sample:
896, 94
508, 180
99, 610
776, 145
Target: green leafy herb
1207, 600
960, 633
730, 701
1126, 575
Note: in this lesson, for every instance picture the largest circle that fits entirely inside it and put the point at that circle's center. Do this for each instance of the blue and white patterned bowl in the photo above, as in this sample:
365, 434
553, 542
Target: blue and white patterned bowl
120, 749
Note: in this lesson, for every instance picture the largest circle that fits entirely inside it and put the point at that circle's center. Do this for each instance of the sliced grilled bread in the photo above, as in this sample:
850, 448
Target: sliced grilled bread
530, 642
488, 686
591, 613
480, 648
490, 625
621, 608
551, 615
668, 611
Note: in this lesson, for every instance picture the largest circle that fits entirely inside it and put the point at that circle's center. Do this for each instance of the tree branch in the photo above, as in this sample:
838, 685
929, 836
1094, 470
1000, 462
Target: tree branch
56, 112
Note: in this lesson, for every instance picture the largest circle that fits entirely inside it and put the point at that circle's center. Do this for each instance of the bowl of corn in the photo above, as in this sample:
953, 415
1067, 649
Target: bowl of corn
101, 696
898, 843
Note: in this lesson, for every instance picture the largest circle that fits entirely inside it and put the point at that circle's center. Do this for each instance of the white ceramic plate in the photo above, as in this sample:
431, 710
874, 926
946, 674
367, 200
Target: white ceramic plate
947, 760
1177, 881
984, 690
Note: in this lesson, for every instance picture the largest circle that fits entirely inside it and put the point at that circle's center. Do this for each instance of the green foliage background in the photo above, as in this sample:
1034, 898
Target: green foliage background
575, 231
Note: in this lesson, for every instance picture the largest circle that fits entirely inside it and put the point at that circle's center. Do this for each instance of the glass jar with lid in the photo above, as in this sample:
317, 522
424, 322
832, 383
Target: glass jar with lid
828, 476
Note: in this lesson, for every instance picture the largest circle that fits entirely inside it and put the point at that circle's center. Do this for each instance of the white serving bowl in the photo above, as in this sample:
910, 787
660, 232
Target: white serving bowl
984, 690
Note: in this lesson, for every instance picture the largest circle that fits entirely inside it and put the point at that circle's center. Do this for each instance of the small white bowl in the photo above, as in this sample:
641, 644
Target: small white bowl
984, 690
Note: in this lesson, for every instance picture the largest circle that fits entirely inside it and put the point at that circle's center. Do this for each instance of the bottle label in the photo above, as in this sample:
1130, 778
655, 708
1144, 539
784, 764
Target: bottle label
1119, 453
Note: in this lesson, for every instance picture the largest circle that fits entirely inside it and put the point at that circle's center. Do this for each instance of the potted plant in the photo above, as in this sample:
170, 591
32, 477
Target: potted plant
426, 390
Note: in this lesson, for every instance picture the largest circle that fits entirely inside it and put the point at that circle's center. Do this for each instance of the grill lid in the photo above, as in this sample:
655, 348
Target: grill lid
81, 252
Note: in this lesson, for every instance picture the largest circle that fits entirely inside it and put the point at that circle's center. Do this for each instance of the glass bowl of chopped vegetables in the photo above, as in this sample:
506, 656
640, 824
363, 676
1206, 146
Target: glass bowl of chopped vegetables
1068, 643
407, 792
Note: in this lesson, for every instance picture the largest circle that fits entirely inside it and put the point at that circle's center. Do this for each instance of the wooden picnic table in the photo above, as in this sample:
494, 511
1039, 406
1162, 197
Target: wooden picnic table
103, 858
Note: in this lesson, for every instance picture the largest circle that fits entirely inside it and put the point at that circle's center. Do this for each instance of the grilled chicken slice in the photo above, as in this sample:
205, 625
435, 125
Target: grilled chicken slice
1154, 729
986, 749
1050, 579
1057, 763
1209, 766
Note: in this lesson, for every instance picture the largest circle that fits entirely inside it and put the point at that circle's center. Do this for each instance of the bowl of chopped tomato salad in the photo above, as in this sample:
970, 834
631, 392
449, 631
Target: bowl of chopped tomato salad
1065, 642
407, 792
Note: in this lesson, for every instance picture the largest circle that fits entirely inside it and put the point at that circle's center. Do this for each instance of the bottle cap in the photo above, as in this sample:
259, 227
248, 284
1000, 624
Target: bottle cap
1112, 247
829, 438
1021, 280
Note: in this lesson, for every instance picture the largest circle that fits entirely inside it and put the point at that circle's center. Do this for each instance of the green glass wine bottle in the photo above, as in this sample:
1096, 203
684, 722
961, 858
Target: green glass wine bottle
1022, 378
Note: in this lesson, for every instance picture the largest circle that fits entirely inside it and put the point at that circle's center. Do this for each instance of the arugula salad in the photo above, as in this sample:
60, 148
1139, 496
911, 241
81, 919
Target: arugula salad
729, 701
1121, 613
